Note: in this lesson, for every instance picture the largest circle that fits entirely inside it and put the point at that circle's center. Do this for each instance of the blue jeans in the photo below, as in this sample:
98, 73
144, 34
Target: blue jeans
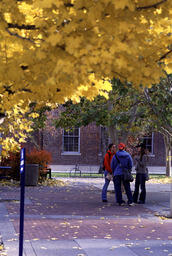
118, 179
105, 187
140, 183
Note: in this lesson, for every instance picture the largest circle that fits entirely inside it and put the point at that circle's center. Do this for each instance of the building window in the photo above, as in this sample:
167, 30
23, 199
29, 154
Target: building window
71, 141
148, 142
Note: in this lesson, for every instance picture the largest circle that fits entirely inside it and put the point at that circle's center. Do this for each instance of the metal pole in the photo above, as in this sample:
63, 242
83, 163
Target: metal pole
22, 196
170, 186
171, 198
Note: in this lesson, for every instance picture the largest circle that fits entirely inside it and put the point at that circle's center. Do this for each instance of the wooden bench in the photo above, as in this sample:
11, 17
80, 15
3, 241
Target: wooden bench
4, 172
45, 171
49, 172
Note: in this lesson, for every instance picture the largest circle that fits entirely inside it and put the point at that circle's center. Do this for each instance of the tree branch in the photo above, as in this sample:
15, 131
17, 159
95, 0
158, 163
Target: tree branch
166, 132
165, 55
150, 6
21, 37
132, 116
26, 27
119, 75
147, 97
166, 126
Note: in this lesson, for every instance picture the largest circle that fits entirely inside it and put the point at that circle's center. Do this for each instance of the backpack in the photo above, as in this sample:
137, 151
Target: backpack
104, 161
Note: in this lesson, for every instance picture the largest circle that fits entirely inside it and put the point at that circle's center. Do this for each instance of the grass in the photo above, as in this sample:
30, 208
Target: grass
153, 178
65, 174
97, 175
160, 179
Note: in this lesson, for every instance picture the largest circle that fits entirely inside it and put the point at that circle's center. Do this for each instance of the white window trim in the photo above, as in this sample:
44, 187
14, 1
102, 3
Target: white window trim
71, 152
152, 143
151, 154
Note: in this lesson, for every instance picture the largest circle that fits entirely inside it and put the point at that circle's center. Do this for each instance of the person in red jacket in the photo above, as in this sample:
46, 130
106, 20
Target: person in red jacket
107, 164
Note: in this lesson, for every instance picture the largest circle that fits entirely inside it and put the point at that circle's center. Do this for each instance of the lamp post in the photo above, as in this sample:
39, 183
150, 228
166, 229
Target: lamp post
170, 186
2, 118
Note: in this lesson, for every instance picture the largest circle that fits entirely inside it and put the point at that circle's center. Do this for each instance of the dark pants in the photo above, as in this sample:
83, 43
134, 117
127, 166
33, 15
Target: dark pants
118, 180
105, 187
140, 183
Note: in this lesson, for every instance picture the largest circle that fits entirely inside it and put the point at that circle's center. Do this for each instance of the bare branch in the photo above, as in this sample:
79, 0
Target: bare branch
17, 35
166, 132
166, 126
68, 5
24, 38
26, 27
120, 75
150, 6
165, 55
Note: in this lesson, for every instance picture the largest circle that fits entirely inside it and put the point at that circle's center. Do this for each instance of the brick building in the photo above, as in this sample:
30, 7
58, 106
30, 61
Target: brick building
83, 146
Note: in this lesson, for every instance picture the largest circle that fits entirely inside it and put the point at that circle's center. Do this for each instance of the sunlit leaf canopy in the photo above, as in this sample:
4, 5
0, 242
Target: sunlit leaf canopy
15, 128
51, 51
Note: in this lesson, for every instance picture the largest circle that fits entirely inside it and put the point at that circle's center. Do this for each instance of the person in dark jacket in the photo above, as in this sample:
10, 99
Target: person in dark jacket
108, 171
120, 160
141, 171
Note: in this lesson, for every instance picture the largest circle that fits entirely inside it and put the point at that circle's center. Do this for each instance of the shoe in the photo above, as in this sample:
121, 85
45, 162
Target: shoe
131, 204
121, 204
104, 201
141, 202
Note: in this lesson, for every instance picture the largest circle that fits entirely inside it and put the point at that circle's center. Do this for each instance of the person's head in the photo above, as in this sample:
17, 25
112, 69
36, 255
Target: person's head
121, 146
141, 145
111, 147
142, 150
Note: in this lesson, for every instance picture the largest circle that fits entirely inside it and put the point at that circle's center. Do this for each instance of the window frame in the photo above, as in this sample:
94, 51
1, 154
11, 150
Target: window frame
68, 136
152, 143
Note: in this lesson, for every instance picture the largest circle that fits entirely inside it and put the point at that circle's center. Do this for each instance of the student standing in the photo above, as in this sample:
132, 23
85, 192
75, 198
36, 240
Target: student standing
141, 171
121, 160
107, 164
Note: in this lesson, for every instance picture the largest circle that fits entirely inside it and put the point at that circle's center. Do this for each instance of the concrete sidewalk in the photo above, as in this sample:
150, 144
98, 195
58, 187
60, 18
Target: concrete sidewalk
95, 169
72, 220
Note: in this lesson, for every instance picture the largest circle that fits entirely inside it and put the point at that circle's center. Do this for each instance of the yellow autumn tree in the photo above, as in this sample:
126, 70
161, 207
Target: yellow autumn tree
15, 128
51, 51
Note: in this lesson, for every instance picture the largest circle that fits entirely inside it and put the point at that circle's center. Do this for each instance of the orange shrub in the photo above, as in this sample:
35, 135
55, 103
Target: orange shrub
41, 157
13, 160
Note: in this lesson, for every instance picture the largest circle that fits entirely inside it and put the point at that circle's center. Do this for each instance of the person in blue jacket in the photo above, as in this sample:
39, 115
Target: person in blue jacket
121, 159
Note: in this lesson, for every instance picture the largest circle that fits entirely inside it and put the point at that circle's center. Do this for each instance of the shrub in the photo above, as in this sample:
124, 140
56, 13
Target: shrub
12, 160
41, 157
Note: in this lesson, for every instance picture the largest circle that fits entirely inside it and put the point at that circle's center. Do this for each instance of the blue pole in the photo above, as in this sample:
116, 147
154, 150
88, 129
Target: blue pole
22, 196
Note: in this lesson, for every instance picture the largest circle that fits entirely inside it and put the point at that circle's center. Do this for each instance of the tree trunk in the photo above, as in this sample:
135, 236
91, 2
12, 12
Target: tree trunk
103, 143
167, 141
41, 139
111, 129
113, 134
124, 137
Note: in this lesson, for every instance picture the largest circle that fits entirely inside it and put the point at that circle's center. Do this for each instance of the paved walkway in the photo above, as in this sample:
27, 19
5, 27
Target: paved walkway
72, 220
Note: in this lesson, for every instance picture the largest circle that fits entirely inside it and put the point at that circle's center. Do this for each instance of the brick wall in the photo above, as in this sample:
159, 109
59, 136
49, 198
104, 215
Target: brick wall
158, 157
89, 147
